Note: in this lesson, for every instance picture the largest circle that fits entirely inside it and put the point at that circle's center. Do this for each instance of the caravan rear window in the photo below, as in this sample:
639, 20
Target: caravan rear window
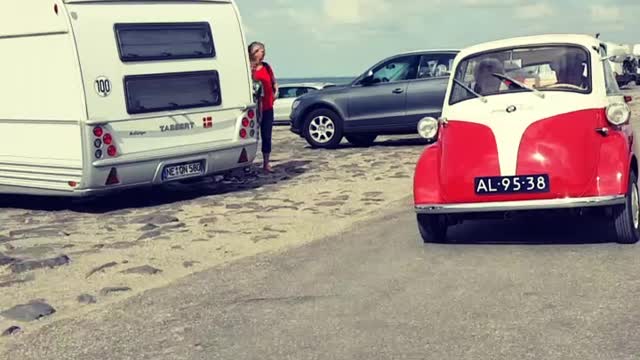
164, 41
175, 91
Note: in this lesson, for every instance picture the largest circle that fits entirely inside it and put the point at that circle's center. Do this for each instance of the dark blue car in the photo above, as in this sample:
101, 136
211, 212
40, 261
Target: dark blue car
387, 99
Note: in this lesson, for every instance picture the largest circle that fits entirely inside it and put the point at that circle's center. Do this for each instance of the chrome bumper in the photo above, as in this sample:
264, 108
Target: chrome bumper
520, 205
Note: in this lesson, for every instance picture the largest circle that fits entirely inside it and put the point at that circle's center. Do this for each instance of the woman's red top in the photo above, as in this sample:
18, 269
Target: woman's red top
263, 76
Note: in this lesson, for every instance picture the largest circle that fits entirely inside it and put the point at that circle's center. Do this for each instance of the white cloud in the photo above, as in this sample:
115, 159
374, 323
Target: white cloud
343, 11
492, 3
534, 11
362, 11
605, 14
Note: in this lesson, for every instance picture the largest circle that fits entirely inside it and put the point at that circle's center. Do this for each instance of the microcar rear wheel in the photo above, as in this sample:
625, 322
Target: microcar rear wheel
433, 228
627, 216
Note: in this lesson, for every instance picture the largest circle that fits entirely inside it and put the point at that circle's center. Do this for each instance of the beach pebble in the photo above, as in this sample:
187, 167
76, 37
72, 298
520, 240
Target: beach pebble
6, 260
29, 312
12, 330
86, 299
38, 232
22, 266
142, 270
148, 227
150, 235
155, 219
102, 267
110, 290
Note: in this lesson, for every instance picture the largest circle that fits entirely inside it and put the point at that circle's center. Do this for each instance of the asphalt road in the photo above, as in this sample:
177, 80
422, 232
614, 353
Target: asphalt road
513, 290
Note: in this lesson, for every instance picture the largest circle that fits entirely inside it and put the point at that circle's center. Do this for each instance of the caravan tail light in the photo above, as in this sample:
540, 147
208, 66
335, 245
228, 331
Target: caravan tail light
247, 124
103, 138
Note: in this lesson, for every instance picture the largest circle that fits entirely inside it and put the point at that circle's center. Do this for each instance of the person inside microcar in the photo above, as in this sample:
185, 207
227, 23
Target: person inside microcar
570, 69
512, 70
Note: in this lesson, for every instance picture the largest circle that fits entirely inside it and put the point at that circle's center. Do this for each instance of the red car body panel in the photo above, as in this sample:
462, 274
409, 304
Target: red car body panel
580, 161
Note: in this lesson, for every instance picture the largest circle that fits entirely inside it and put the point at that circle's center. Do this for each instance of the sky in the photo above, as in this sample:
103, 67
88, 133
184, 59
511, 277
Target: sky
317, 38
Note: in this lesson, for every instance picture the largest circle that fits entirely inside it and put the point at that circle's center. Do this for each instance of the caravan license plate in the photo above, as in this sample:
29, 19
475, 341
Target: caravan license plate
511, 184
179, 171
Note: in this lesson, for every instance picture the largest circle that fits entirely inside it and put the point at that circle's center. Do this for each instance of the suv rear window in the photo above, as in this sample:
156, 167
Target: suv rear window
164, 41
175, 91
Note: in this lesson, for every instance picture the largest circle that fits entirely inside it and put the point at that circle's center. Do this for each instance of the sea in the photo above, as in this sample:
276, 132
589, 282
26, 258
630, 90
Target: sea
337, 80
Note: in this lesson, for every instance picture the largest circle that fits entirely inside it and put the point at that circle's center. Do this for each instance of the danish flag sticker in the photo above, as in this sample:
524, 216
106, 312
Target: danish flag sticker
207, 122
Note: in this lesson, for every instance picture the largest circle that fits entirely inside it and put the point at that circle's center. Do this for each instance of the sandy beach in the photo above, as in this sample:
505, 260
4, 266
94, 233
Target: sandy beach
79, 257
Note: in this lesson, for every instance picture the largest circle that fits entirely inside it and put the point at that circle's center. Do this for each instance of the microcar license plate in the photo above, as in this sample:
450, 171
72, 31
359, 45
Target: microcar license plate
511, 184
179, 171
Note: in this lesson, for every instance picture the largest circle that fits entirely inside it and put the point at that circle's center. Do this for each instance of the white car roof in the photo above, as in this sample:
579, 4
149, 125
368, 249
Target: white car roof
588, 41
429, 51
306, 84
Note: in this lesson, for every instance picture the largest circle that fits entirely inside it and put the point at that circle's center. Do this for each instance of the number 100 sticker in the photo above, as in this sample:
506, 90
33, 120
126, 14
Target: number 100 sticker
103, 86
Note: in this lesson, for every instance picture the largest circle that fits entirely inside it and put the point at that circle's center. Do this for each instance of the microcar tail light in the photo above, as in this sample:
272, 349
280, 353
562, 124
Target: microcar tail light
107, 139
628, 99
243, 133
245, 122
112, 151
618, 114
251, 114
97, 131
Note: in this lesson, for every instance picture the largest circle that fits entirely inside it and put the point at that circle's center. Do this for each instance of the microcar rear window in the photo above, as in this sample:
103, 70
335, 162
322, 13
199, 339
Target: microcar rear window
544, 68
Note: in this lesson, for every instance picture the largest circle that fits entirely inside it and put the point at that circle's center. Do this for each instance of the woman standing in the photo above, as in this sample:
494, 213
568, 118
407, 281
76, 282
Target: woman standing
263, 73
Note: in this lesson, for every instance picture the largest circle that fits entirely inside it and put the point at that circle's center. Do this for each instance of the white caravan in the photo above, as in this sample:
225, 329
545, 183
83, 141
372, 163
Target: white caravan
110, 94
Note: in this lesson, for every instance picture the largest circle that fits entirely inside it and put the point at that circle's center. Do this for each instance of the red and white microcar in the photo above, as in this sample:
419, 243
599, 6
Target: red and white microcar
529, 123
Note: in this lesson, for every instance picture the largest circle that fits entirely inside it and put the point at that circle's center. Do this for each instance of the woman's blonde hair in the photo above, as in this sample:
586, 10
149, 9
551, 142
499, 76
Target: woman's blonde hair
253, 47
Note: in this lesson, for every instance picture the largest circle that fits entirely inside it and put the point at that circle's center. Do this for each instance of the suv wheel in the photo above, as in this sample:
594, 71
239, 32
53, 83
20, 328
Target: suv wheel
323, 128
361, 139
